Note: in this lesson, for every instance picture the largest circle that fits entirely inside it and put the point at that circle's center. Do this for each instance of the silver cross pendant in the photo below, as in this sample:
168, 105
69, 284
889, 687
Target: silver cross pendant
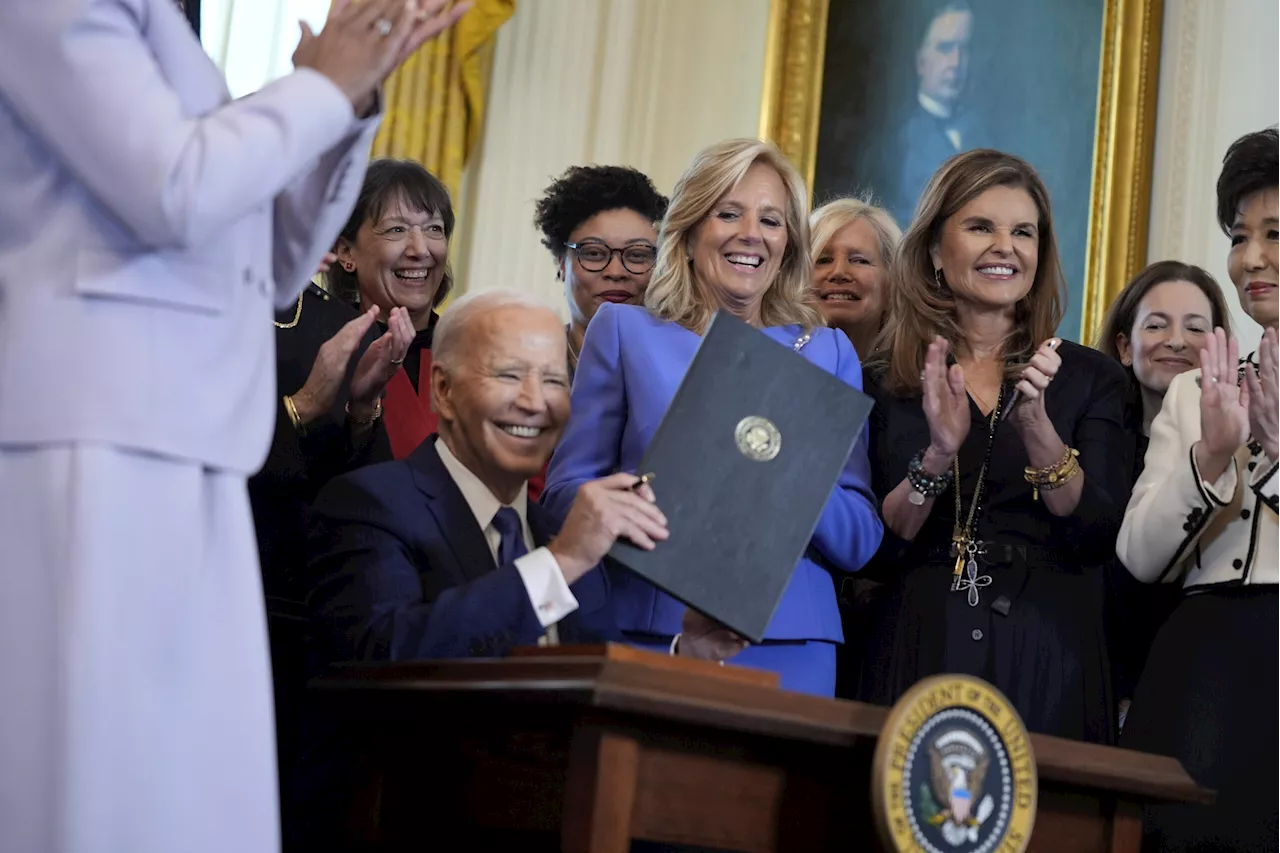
971, 581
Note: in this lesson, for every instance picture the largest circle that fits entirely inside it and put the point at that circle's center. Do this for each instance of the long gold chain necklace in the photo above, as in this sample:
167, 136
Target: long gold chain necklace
967, 549
297, 315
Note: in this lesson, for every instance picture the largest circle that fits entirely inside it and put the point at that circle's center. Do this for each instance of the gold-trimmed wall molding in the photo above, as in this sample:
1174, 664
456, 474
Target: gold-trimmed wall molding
792, 103
1123, 150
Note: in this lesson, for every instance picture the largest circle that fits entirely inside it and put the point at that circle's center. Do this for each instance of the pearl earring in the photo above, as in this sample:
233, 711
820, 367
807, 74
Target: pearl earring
937, 277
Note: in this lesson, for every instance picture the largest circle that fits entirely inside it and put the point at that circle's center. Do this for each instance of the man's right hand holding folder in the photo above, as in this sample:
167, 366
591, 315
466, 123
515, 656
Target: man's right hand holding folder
623, 506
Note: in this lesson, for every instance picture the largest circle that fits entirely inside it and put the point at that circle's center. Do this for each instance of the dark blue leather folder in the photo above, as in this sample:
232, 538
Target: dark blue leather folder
743, 464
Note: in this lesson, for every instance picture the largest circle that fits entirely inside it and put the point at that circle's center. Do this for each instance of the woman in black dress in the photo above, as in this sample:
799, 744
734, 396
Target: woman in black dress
1000, 456
1203, 518
1155, 329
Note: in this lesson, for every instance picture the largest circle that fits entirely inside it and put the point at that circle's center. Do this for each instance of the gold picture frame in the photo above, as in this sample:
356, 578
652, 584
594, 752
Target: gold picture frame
1124, 139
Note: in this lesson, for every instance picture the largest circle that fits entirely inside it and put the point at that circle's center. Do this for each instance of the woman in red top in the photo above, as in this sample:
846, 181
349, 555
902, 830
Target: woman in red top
394, 252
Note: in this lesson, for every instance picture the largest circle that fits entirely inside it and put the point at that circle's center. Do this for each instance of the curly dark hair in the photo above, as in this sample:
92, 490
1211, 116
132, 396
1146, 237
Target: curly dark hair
583, 191
1249, 165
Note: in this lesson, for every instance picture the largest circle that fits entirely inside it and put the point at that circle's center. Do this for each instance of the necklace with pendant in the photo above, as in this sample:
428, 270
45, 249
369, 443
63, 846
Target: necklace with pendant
967, 549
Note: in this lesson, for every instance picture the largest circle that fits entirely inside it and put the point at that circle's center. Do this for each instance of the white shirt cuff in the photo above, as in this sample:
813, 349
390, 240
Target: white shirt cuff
550, 596
1220, 492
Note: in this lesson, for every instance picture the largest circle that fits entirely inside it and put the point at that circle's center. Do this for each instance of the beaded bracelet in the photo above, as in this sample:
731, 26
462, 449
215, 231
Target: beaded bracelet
924, 484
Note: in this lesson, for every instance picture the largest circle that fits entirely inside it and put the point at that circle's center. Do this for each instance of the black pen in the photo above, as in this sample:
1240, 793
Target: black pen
644, 478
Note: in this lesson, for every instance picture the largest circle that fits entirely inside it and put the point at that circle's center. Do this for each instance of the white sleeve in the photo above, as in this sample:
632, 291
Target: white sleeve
550, 596
1171, 503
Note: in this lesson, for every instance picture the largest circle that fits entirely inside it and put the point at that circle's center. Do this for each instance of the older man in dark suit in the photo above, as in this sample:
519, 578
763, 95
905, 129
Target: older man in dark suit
442, 554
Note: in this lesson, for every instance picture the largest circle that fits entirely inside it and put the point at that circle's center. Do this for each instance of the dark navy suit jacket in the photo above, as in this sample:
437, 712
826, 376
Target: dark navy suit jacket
399, 569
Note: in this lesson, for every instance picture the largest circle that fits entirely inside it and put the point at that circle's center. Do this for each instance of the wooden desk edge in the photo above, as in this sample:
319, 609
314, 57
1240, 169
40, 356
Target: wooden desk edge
630, 686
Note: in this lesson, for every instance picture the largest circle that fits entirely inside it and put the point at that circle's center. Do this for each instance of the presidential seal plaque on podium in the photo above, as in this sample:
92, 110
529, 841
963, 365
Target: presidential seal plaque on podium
953, 771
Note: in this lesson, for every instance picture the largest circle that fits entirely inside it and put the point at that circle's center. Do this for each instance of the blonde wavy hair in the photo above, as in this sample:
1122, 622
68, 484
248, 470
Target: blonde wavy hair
922, 306
675, 293
826, 221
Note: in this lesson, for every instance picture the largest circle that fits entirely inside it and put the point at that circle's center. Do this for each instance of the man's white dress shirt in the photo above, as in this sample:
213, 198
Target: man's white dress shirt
548, 592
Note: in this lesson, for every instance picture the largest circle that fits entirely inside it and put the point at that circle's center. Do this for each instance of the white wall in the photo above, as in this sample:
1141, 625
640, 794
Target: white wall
1219, 79
642, 83
253, 40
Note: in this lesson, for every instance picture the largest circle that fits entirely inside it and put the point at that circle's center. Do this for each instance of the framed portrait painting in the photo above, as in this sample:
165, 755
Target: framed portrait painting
871, 96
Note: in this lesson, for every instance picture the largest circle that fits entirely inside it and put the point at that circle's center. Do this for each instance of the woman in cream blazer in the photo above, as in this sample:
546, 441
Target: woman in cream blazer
1203, 514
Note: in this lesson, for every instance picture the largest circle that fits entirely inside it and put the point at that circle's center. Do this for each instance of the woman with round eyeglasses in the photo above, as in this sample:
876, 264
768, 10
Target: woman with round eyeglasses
600, 223
393, 255
1203, 517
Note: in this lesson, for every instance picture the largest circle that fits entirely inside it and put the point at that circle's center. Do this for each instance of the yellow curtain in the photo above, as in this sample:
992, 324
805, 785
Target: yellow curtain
435, 102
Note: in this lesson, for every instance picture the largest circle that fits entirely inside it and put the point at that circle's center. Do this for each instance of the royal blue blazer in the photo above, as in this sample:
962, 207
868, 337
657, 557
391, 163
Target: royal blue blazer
630, 367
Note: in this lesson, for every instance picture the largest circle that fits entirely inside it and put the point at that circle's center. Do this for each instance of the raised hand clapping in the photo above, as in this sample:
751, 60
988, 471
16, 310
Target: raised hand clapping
1263, 399
362, 43
946, 403
1224, 406
373, 371
382, 359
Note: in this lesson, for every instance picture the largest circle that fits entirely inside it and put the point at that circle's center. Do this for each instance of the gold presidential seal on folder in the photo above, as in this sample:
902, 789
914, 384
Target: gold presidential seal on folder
758, 438
954, 771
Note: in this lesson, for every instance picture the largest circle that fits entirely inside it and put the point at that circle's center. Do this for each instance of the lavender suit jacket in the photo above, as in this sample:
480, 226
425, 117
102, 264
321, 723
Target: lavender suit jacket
147, 225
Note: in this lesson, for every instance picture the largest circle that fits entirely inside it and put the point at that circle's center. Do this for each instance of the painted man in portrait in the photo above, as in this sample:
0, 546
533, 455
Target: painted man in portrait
937, 125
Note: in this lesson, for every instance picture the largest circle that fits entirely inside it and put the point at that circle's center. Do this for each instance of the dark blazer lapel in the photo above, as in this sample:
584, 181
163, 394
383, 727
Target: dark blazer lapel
445, 501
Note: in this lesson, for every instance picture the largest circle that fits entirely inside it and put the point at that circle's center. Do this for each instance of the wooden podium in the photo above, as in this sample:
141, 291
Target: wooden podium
583, 749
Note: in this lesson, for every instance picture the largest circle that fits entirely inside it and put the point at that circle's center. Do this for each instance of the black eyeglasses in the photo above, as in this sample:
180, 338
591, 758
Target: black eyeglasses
595, 257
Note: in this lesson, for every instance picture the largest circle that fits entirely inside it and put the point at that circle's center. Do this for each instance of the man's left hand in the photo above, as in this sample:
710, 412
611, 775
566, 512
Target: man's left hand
705, 639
